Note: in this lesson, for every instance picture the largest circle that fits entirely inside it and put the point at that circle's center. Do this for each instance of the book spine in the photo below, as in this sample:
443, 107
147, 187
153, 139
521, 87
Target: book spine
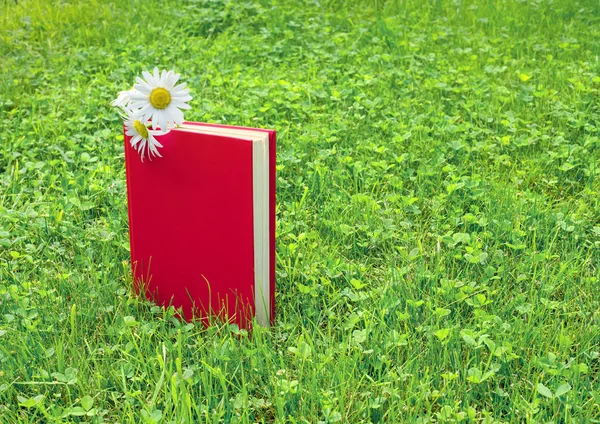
126, 146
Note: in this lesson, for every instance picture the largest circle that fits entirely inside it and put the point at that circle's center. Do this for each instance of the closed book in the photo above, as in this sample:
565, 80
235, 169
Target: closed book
202, 222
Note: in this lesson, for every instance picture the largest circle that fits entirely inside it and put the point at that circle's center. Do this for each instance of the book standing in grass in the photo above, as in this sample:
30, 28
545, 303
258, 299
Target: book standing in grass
201, 213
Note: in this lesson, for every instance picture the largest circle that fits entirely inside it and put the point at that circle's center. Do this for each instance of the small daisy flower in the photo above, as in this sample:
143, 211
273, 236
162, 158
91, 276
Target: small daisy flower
142, 138
159, 99
123, 99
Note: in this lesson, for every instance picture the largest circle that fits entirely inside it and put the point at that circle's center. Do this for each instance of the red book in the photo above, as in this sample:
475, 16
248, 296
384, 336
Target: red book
202, 222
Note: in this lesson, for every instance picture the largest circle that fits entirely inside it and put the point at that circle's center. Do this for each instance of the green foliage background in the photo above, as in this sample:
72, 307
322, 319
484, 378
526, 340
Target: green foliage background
438, 211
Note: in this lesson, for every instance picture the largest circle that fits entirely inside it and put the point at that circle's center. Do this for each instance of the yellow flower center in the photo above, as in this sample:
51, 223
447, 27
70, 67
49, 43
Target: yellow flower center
160, 98
140, 128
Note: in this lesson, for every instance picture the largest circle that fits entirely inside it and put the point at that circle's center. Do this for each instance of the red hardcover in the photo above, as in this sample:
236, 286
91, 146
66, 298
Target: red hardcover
191, 224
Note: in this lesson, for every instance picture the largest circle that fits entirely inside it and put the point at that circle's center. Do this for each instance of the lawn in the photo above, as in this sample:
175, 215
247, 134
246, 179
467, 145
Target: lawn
438, 211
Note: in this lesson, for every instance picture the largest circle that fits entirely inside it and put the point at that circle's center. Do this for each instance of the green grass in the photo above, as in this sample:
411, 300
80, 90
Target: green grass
438, 234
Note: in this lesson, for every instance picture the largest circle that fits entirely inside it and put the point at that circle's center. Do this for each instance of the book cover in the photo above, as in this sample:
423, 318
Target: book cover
201, 226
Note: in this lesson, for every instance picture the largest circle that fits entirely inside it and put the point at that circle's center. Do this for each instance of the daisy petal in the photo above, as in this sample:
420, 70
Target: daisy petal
143, 84
152, 148
163, 122
177, 115
181, 93
181, 99
154, 119
179, 87
142, 90
157, 118
172, 81
156, 142
184, 106
168, 79
141, 146
139, 96
149, 78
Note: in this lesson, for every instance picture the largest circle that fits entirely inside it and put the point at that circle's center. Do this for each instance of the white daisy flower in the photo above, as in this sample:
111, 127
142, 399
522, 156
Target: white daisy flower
123, 99
159, 99
142, 138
